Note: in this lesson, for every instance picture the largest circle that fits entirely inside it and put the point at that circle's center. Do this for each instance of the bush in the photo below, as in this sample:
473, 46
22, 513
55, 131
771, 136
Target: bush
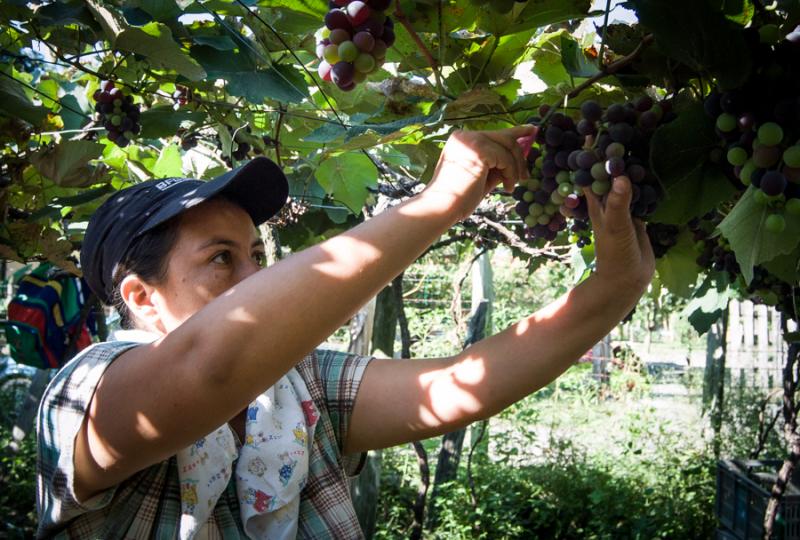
17, 480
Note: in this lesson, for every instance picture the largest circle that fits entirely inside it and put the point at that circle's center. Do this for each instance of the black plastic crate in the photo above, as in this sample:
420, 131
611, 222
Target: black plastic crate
743, 489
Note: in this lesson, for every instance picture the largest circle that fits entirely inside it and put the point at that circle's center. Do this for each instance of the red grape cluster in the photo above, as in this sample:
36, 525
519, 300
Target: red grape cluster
117, 112
354, 41
181, 96
662, 237
759, 128
569, 156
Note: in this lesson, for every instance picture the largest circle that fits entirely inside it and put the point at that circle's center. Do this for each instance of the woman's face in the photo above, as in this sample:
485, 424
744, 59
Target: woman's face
217, 247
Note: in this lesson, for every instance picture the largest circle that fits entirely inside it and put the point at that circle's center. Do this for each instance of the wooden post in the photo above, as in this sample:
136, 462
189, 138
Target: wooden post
479, 326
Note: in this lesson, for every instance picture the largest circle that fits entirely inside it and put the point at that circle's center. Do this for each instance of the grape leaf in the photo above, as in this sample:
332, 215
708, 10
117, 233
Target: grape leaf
14, 102
164, 121
169, 163
574, 59
154, 40
699, 36
346, 177
66, 163
750, 241
281, 83
677, 269
679, 158
785, 267
708, 303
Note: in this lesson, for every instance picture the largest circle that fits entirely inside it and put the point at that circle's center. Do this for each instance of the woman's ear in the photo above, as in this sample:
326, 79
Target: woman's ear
138, 296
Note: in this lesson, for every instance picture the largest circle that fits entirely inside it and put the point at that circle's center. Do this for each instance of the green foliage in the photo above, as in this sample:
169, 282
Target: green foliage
17, 478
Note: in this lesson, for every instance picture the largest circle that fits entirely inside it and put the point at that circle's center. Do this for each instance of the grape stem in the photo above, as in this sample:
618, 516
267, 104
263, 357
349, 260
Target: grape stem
600, 59
514, 240
606, 71
401, 18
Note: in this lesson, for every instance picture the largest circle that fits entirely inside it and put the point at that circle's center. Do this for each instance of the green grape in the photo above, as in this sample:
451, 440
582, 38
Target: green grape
528, 196
769, 34
564, 189
544, 219
600, 187
747, 172
365, 63
530, 221
775, 223
792, 157
563, 177
737, 156
536, 210
348, 51
116, 120
761, 198
331, 54
793, 207
770, 134
726, 122
534, 184
550, 209
599, 172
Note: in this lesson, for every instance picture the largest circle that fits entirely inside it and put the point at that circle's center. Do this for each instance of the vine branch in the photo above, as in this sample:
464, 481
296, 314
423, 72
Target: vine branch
401, 18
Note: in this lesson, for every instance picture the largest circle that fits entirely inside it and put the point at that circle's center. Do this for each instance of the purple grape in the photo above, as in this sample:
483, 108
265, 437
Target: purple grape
549, 185
621, 133
541, 197
522, 209
773, 183
572, 160
358, 12
562, 159
615, 167
364, 41
586, 159
337, 19
585, 127
388, 36
519, 192
615, 113
342, 74
373, 27
636, 173
554, 135
648, 121
591, 111
583, 178
549, 169
643, 103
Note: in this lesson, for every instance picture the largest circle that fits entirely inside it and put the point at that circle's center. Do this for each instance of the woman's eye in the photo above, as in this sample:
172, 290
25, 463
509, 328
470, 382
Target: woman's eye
223, 257
260, 258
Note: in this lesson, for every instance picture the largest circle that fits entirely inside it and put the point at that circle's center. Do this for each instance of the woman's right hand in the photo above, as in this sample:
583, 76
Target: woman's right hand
473, 163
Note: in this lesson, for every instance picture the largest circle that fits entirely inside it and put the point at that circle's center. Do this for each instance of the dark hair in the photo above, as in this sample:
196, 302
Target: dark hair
148, 258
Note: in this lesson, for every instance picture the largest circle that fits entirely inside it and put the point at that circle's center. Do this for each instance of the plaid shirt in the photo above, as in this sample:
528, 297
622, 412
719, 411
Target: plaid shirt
148, 504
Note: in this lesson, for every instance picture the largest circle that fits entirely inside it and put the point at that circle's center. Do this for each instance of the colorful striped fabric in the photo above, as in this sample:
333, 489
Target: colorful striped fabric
147, 505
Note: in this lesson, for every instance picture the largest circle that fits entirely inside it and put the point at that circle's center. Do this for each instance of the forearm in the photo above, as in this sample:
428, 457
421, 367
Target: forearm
435, 396
533, 352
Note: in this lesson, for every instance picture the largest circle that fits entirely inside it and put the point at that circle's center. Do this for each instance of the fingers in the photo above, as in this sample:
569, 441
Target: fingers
595, 208
506, 164
645, 248
617, 215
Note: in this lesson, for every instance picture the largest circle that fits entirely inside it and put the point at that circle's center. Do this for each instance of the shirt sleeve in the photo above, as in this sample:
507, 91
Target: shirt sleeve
340, 375
61, 413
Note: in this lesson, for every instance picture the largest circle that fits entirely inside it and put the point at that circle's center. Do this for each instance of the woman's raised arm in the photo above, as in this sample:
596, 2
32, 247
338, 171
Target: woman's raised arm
402, 401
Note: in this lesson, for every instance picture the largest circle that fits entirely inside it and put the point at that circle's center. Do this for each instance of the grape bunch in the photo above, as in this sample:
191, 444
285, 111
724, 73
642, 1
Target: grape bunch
759, 130
662, 237
354, 41
181, 96
117, 112
569, 156
714, 251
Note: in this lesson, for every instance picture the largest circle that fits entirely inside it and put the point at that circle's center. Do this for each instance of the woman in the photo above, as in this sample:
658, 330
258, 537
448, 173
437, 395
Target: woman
225, 422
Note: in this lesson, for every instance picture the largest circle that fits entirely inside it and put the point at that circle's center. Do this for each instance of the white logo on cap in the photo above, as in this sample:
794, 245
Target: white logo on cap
169, 182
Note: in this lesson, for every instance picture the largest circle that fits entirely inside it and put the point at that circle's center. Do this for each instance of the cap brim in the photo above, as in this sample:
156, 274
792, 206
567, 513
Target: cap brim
259, 187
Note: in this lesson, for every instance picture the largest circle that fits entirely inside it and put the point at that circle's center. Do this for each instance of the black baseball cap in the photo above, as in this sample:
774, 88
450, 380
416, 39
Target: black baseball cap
259, 187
